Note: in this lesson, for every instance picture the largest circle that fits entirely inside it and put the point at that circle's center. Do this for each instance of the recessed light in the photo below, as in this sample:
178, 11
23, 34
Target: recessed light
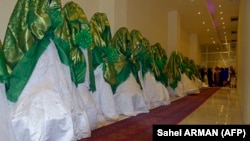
208, 30
221, 12
199, 13
203, 22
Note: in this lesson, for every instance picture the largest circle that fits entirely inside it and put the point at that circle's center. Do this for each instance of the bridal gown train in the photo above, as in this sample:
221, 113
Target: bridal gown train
155, 93
48, 108
103, 98
6, 129
100, 55
129, 98
128, 94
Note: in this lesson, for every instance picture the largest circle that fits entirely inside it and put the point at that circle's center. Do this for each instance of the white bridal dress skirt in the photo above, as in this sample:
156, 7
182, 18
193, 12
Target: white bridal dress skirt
154, 92
189, 85
6, 129
49, 108
178, 91
129, 99
104, 98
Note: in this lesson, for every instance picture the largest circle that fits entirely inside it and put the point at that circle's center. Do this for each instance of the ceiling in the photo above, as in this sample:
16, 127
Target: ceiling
215, 22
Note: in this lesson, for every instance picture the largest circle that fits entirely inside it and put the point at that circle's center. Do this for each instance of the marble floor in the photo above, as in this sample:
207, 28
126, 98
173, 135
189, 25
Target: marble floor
221, 108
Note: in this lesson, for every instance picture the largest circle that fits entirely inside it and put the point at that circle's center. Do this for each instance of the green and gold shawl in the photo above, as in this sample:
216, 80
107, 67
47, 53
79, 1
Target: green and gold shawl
30, 28
127, 63
76, 30
4, 75
160, 59
102, 52
173, 68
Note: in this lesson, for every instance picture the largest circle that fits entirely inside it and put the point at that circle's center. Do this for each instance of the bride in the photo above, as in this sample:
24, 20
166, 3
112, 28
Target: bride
7, 132
44, 98
127, 91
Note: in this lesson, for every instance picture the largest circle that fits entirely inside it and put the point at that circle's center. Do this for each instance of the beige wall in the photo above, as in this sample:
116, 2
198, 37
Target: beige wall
243, 65
6, 7
144, 15
184, 43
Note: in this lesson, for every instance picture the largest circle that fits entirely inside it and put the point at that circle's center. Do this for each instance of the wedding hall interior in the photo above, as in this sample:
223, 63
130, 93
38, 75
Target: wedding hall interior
79, 70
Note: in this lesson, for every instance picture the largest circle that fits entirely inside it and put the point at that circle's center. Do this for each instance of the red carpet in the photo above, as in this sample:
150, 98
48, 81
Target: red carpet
139, 128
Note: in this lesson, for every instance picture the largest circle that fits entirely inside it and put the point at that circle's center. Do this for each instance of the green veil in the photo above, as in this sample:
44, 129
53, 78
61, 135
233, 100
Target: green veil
173, 68
160, 59
144, 58
29, 31
76, 31
101, 51
3, 69
128, 50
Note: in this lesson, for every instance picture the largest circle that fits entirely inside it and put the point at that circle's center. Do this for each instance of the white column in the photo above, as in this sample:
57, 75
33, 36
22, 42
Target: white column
173, 32
194, 53
243, 75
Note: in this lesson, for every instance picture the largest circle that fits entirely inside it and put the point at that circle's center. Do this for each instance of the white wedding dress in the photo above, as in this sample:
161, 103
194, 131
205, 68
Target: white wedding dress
129, 98
6, 129
103, 96
189, 85
178, 91
49, 107
155, 93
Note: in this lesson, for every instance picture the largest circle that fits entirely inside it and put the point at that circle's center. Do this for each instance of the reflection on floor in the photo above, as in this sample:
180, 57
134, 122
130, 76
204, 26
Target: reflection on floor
221, 108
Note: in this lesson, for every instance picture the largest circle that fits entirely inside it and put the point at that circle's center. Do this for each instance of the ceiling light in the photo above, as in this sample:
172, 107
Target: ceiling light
203, 22
224, 27
221, 12
207, 30
219, 5
221, 18
199, 13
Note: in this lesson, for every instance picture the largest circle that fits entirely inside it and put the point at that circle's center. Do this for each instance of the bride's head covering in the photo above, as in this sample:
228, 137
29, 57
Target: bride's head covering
31, 20
3, 69
30, 28
76, 31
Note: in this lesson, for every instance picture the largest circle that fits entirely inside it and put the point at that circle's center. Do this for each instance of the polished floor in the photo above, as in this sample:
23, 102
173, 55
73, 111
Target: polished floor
221, 108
